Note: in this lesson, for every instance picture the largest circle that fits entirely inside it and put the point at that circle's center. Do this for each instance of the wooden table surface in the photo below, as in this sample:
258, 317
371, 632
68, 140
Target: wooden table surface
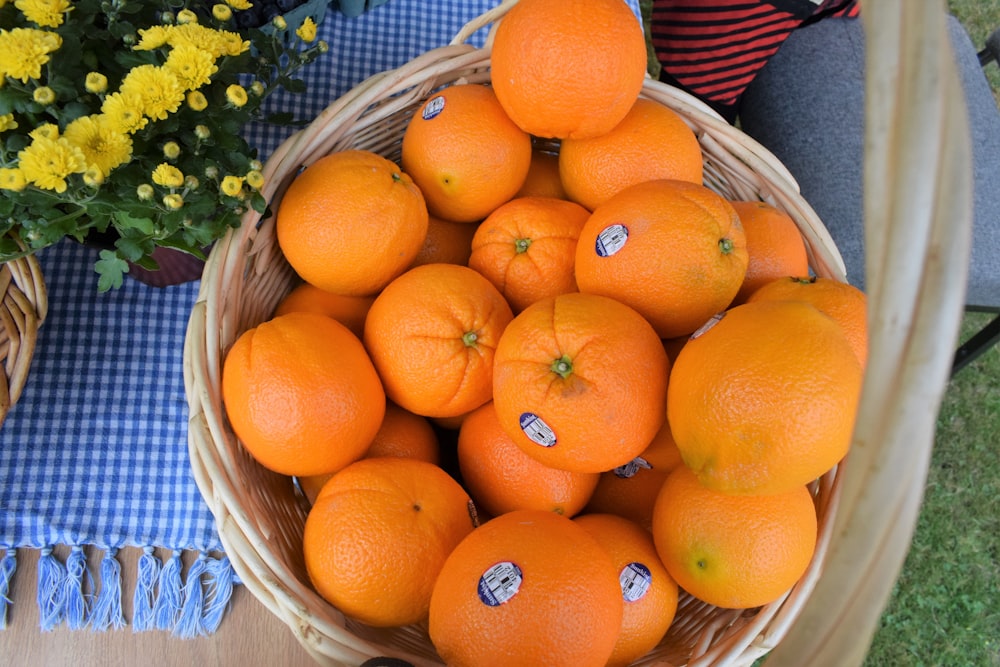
249, 634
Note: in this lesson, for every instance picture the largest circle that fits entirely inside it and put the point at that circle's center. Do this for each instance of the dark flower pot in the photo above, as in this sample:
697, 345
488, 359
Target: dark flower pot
175, 266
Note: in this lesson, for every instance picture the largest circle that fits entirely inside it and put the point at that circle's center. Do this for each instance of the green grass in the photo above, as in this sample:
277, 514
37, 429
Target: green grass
945, 607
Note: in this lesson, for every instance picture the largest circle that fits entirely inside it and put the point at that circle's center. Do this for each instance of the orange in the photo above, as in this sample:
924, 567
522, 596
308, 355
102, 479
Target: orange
844, 303
774, 246
302, 394
379, 533
348, 310
763, 399
464, 152
648, 590
446, 242
650, 143
502, 478
326, 222
405, 434
579, 382
736, 552
673, 250
402, 433
543, 176
432, 333
526, 588
527, 248
557, 75
628, 491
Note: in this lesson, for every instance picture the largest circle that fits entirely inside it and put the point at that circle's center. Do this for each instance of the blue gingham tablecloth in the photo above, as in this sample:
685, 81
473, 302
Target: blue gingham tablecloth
94, 455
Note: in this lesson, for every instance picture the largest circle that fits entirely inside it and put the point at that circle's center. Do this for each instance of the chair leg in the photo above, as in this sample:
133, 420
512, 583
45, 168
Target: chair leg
983, 340
991, 49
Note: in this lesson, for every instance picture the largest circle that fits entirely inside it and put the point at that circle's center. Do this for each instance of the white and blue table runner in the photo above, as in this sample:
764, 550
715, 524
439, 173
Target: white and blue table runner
95, 455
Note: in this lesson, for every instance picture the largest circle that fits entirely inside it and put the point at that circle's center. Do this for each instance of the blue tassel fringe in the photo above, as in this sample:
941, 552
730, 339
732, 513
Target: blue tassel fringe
144, 598
7, 567
188, 606
107, 610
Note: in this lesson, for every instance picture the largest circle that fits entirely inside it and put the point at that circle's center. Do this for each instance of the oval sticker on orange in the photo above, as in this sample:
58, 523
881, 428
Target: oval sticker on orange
500, 583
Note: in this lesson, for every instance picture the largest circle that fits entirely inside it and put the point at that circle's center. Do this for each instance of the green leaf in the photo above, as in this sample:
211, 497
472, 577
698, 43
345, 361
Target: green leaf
111, 268
124, 220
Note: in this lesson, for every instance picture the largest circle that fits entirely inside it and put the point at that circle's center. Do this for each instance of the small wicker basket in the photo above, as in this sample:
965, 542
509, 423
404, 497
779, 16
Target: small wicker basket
259, 515
22, 310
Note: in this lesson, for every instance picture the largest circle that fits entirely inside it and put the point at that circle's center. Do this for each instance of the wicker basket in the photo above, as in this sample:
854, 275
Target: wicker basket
260, 517
24, 307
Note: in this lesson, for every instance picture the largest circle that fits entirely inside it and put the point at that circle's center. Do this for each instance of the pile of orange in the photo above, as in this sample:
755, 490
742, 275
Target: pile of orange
539, 378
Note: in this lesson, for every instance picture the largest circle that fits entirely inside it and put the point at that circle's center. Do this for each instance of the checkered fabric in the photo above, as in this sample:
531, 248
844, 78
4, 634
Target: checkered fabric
95, 452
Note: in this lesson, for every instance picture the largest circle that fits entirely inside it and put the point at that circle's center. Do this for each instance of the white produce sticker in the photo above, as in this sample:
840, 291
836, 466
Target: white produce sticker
611, 239
635, 579
500, 583
433, 107
537, 430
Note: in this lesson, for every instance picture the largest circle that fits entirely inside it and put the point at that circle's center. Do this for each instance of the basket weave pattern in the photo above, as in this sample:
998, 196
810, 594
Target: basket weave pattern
23, 307
259, 514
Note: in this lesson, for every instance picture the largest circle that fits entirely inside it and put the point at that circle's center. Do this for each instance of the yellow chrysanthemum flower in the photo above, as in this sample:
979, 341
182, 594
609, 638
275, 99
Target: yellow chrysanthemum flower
23, 52
239, 4
232, 185
173, 201
47, 163
307, 31
153, 38
168, 176
124, 111
217, 42
171, 150
12, 179
197, 100
237, 95
158, 88
255, 179
93, 176
192, 66
45, 131
46, 13
95, 83
222, 12
232, 43
43, 95
104, 146
7, 122
145, 192
185, 16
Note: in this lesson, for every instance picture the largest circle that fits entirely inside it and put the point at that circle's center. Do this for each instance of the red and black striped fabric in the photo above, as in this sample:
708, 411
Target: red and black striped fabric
714, 48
